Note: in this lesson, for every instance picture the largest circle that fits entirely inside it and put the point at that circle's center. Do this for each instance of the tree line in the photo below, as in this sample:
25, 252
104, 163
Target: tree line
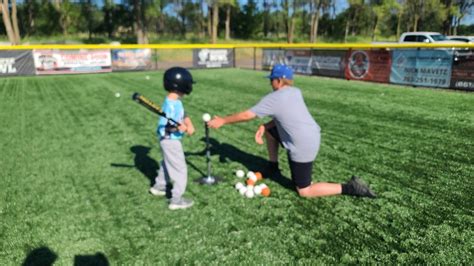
139, 21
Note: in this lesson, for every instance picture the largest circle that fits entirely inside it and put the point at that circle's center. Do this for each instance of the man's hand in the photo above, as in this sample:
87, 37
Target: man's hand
216, 122
259, 134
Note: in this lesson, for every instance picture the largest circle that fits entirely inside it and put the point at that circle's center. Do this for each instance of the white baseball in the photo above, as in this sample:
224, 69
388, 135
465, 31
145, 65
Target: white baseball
206, 117
242, 191
117, 94
240, 173
257, 190
249, 193
250, 173
239, 185
253, 178
147, 77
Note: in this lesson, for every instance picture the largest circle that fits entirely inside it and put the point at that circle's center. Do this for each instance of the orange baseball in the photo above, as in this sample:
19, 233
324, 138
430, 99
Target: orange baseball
259, 175
250, 182
266, 192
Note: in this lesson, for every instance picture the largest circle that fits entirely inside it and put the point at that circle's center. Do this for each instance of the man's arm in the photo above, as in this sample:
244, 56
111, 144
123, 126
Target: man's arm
217, 121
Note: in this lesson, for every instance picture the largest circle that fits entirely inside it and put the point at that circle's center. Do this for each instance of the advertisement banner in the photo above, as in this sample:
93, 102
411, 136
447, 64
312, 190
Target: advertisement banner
368, 65
213, 58
131, 59
299, 61
462, 76
72, 61
272, 57
16, 63
430, 68
329, 63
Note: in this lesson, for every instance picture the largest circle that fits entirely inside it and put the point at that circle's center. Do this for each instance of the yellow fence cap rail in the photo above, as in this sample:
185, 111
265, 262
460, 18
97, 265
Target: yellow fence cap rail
239, 45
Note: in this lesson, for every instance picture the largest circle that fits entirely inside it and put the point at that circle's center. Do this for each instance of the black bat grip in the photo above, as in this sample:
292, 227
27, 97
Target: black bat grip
135, 96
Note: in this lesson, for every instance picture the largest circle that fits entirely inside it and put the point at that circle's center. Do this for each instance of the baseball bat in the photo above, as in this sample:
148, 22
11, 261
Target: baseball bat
142, 100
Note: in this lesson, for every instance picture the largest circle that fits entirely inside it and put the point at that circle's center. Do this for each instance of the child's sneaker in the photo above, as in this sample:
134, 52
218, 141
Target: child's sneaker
155, 191
180, 203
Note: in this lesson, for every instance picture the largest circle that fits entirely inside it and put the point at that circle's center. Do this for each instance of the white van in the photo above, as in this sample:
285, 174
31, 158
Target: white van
425, 37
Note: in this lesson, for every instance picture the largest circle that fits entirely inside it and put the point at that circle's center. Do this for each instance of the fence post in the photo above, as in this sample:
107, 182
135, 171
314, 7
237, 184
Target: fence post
255, 58
235, 57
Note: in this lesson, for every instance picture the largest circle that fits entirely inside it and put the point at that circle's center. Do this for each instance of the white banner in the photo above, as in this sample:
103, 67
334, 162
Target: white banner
72, 61
213, 58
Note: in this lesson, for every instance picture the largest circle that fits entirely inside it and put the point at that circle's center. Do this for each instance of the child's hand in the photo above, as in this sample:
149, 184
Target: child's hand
182, 127
259, 134
190, 127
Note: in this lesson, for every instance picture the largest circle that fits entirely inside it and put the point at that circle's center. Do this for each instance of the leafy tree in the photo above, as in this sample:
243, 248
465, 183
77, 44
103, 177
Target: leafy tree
108, 17
267, 5
291, 8
250, 21
316, 7
381, 11
461, 9
139, 23
355, 7
10, 21
213, 19
228, 5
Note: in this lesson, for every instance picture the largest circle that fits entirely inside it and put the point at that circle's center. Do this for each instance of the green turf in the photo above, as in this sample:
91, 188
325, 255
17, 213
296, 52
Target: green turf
72, 190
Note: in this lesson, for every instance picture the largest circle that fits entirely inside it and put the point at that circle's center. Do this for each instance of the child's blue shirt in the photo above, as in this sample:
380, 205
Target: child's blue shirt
173, 109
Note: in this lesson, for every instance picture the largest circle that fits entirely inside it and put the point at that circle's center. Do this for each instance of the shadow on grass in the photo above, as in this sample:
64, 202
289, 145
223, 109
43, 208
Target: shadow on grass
40, 256
142, 162
98, 259
146, 165
228, 152
44, 256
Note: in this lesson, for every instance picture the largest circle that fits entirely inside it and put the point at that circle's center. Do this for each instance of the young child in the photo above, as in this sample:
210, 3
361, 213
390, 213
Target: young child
294, 128
178, 82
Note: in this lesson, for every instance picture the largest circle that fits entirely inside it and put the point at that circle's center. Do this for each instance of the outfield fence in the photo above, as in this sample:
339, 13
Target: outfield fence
413, 64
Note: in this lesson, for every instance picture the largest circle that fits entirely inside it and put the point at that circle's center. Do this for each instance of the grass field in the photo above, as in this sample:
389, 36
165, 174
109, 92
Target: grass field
77, 163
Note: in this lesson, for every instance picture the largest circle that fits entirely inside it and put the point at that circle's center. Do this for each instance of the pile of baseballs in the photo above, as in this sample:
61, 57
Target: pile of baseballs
251, 189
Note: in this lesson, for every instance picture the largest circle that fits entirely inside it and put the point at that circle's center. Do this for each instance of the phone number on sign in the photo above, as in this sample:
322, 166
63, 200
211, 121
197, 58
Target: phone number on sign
426, 80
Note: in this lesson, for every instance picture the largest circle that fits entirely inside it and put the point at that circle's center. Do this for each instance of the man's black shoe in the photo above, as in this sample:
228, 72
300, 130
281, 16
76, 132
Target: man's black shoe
358, 188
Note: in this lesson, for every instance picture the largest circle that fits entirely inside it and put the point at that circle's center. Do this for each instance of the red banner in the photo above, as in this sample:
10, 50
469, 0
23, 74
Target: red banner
368, 65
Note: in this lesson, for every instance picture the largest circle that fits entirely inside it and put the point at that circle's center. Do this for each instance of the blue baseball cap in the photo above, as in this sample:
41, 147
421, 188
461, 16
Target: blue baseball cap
281, 71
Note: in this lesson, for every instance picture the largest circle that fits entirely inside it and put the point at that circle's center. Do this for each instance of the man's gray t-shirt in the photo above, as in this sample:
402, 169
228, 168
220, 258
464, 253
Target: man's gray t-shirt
298, 131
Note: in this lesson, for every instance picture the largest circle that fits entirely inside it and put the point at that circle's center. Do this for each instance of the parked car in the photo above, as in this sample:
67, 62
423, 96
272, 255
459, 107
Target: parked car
467, 39
425, 37
436, 37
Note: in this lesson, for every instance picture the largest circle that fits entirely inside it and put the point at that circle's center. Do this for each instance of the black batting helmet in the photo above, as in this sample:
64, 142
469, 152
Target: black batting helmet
178, 79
